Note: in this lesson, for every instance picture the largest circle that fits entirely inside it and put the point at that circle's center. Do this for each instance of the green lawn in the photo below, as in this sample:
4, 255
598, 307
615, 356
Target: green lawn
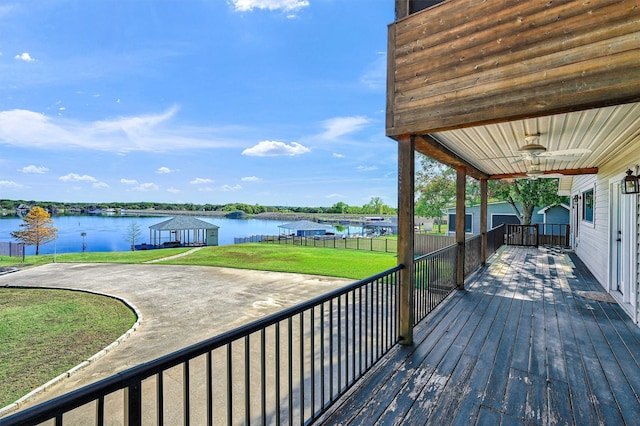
286, 258
139, 256
44, 333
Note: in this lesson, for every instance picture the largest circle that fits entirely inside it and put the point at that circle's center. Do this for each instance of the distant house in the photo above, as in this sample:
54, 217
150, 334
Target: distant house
22, 209
502, 212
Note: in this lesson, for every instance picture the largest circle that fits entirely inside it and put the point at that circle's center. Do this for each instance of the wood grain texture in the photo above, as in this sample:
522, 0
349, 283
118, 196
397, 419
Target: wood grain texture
523, 344
466, 63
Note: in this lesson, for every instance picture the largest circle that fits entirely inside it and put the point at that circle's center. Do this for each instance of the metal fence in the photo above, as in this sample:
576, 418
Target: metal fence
423, 243
369, 244
12, 249
288, 367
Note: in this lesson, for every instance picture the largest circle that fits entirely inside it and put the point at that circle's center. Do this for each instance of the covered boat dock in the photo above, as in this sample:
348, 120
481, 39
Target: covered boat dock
182, 231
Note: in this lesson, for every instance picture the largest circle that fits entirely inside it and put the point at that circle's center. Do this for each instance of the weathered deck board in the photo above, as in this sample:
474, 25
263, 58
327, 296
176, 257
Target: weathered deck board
525, 343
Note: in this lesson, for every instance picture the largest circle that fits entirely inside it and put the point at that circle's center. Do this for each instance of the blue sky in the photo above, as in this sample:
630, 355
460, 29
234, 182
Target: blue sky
274, 102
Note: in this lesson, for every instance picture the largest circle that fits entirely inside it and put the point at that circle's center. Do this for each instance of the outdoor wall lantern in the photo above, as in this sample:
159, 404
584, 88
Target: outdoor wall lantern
630, 184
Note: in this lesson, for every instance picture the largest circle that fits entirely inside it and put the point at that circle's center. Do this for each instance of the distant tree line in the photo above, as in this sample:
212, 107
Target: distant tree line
375, 207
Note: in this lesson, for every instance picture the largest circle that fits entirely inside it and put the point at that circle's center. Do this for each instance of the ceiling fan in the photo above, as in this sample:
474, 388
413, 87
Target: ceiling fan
533, 151
535, 172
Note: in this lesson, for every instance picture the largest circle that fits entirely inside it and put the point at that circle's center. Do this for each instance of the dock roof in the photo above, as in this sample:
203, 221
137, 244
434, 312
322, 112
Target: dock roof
182, 222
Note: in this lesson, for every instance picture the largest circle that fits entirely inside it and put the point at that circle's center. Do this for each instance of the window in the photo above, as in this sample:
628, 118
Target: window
587, 205
451, 225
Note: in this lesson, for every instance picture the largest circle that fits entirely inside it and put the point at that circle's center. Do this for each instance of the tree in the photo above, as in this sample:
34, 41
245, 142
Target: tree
529, 193
133, 234
376, 206
436, 187
338, 207
37, 229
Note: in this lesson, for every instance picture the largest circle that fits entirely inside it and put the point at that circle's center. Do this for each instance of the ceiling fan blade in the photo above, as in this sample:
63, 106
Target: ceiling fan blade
566, 152
561, 157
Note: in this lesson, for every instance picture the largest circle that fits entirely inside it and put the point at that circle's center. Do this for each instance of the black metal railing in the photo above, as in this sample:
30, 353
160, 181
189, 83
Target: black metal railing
495, 239
288, 367
538, 234
428, 243
435, 273
435, 278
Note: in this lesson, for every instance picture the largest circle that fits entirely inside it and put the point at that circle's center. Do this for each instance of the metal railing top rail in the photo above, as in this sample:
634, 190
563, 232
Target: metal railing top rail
121, 380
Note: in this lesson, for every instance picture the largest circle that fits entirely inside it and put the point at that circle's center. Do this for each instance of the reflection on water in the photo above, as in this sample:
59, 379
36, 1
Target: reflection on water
109, 233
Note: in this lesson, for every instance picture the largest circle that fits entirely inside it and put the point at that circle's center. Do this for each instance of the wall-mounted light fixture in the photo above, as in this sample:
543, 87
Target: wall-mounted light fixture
575, 199
630, 184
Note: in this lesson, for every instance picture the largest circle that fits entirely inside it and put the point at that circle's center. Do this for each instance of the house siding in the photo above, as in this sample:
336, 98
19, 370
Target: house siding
499, 208
593, 244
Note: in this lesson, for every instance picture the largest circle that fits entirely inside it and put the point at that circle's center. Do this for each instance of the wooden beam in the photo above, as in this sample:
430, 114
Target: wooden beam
464, 64
429, 146
461, 189
406, 200
566, 172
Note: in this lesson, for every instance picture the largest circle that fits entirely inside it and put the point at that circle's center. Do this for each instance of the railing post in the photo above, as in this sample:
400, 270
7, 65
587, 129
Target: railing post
406, 188
133, 404
461, 189
483, 221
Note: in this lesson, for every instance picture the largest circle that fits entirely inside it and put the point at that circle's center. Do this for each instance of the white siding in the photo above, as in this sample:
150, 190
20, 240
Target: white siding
594, 239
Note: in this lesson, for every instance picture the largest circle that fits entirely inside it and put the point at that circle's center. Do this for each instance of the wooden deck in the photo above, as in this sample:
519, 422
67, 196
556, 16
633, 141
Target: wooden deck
533, 340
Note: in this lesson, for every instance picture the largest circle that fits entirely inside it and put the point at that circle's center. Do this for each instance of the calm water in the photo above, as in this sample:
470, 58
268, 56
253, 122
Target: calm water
107, 233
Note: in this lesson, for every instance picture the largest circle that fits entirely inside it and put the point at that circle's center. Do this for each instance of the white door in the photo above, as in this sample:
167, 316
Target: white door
623, 240
617, 273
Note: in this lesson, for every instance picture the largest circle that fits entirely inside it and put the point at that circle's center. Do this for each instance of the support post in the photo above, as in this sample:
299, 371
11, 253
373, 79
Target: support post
461, 189
483, 221
406, 199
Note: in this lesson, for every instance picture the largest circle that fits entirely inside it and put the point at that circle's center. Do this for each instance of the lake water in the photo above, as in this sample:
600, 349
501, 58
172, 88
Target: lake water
107, 233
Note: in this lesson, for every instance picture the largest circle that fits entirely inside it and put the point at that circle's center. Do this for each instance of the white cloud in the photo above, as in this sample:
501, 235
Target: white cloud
151, 133
33, 169
275, 149
163, 170
229, 188
101, 185
336, 155
340, 126
74, 177
336, 196
24, 57
9, 184
285, 5
250, 179
128, 181
146, 187
366, 168
200, 181
173, 190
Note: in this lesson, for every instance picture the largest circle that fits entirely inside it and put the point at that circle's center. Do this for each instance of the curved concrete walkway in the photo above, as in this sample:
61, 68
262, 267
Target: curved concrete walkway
180, 305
